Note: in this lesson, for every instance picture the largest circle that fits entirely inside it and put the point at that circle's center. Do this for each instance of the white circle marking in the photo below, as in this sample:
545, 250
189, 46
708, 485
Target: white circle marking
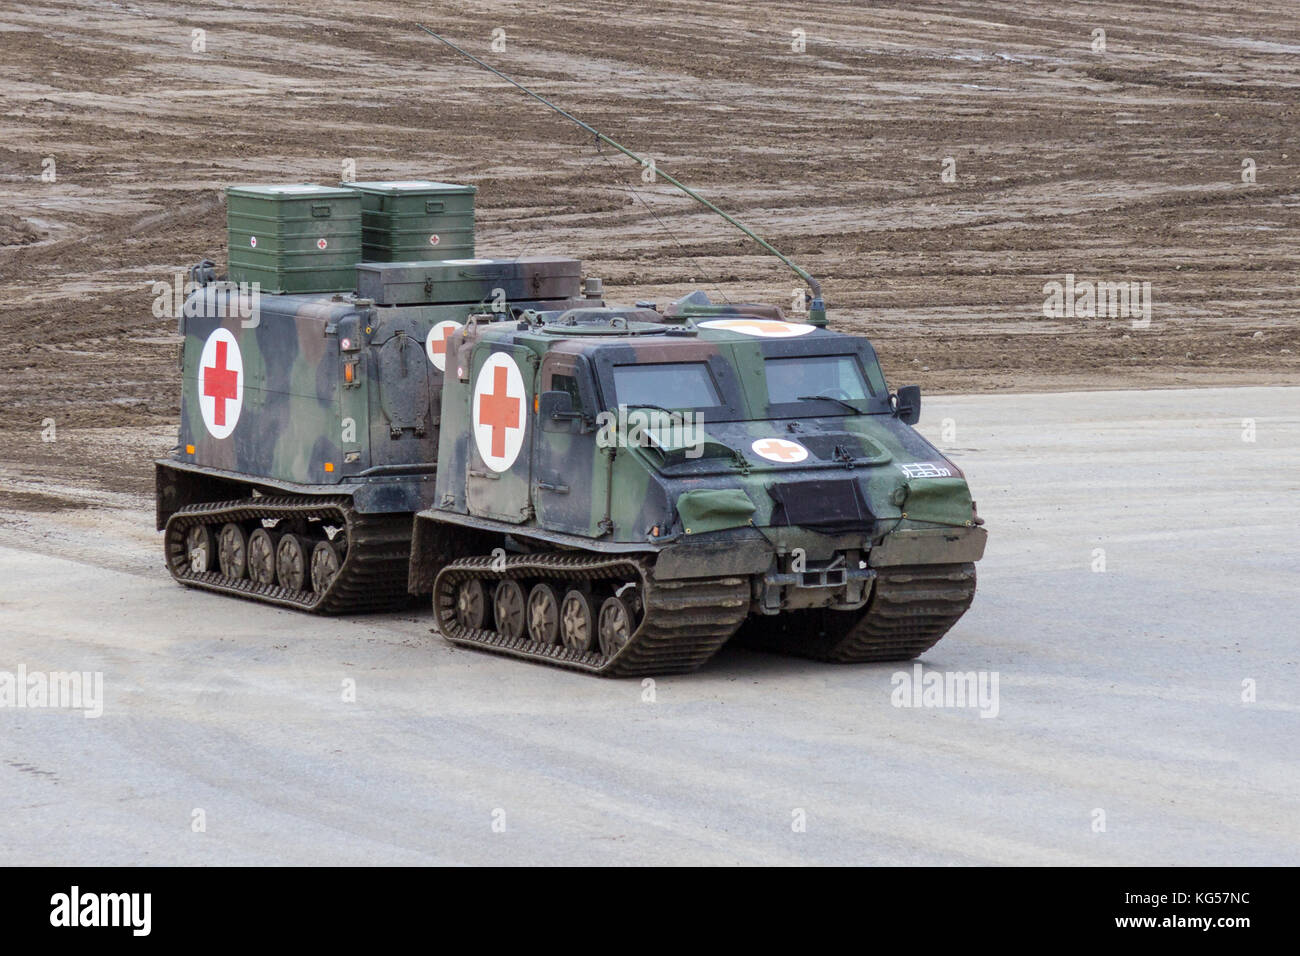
500, 412
780, 449
221, 383
440, 336
763, 328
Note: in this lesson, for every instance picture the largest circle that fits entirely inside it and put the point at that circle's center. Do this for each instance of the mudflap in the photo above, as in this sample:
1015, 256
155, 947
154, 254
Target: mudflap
435, 544
174, 488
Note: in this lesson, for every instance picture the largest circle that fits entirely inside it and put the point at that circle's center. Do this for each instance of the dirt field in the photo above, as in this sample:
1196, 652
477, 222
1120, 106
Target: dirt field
1122, 165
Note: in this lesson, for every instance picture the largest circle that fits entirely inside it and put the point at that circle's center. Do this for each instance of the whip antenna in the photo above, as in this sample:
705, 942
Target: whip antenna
817, 310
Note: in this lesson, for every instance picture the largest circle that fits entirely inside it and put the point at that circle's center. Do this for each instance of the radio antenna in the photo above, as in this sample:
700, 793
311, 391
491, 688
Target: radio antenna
816, 311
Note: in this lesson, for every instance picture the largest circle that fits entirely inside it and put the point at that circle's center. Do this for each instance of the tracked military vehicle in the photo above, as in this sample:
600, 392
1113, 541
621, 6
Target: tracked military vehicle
620, 490
311, 387
616, 489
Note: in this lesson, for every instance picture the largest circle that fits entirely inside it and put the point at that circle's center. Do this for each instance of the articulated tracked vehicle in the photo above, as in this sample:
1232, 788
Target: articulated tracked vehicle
620, 490
617, 489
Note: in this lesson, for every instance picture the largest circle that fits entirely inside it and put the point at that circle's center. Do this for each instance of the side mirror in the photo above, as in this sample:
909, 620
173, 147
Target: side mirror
555, 411
907, 404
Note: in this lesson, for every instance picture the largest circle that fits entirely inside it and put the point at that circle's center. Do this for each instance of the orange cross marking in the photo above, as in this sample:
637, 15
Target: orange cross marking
439, 346
499, 411
758, 327
780, 450
220, 384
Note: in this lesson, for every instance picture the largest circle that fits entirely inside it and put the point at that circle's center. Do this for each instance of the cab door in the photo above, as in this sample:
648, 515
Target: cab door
499, 463
571, 472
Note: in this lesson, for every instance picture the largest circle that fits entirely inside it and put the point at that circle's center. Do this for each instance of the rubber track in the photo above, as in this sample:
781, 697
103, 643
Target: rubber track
684, 623
371, 578
910, 609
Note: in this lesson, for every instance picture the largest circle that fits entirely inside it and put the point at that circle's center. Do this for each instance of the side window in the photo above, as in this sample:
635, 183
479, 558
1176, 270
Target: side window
561, 382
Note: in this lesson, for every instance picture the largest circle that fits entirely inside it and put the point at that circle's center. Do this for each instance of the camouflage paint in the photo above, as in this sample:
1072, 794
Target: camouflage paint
399, 436
302, 425
627, 495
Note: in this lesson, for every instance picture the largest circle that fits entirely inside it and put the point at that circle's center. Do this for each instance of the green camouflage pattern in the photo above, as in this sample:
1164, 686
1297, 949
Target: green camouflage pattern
501, 402
342, 394
301, 426
640, 483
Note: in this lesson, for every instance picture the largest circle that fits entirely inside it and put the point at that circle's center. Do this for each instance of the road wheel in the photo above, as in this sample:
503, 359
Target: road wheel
291, 562
261, 557
616, 625
578, 620
325, 565
232, 551
543, 614
471, 604
508, 609
200, 549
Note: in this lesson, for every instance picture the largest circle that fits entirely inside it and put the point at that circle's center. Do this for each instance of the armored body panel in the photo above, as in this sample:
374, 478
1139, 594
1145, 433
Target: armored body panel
671, 411
328, 392
309, 432
730, 453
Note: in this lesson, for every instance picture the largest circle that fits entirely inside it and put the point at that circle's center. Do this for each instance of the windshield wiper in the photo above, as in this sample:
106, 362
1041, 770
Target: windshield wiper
829, 398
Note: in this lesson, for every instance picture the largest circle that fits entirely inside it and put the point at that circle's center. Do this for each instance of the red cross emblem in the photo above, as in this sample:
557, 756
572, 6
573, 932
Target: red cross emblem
778, 449
499, 411
500, 397
753, 328
221, 387
220, 384
435, 344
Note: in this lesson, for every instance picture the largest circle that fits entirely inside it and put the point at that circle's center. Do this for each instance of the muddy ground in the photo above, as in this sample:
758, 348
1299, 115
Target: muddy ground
1117, 165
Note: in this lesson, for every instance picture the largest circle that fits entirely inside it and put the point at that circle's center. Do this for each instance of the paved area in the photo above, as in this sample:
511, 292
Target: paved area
1137, 607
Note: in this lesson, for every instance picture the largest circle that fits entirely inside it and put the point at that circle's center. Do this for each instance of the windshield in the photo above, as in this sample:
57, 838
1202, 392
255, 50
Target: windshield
670, 385
807, 376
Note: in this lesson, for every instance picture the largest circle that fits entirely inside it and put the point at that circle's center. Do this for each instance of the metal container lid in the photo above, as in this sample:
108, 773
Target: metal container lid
410, 187
290, 191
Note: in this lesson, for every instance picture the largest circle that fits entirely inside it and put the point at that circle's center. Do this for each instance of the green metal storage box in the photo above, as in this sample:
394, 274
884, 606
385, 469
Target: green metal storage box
295, 238
470, 280
415, 220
